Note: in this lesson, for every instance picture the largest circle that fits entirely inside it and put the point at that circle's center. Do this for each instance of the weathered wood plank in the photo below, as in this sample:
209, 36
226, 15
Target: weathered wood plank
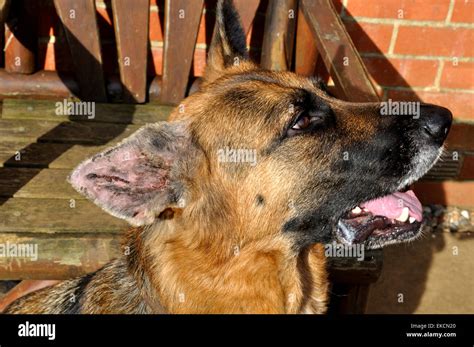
56, 216
58, 257
182, 19
41, 84
338, 51
306, 52
278, 38
80, 24
354, 271
68, 132
131, 33
43, 155
62, 256
4, 10
113, 113
36, 184
76, 154
247, 10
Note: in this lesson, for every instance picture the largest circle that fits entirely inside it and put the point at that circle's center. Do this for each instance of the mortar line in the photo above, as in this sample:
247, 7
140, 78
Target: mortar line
449, 16
394, 37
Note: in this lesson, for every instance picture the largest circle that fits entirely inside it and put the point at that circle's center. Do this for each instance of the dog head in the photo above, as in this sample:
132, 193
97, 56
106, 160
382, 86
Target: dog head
258, 153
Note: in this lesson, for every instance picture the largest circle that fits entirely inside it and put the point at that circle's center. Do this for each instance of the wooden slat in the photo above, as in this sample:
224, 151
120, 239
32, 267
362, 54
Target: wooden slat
131, 33
43, 155
336, 48
80, 24
20, 36
50, 85
247, 10
68, 132
59, 256
352, 271
76, 154
113, 113
306, 52
36, 183
87, 252
56, 216
182, 19
278, 39
4, 10
42, 84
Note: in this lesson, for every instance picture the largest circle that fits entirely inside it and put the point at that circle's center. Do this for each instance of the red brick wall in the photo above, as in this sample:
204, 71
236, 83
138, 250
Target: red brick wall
423, 50
430, 44
413, 49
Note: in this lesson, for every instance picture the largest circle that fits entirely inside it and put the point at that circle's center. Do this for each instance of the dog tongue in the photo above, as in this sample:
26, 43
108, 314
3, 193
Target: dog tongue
391, 206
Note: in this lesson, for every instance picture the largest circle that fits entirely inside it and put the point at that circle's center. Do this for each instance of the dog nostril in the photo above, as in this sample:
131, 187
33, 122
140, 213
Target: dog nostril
435, 131
436, 122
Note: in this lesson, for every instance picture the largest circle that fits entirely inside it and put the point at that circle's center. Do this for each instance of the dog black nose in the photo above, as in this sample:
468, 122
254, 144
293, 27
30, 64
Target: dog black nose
435, 121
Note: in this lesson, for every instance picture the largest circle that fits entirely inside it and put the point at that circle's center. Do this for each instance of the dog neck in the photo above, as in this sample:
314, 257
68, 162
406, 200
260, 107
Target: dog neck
180, 272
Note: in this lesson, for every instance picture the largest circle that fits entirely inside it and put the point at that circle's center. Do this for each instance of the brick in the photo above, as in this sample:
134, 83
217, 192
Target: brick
467, 170
369, 37
402, 72
435, 10
155, 62
46, 56
155, 31
199, 62
460, 104
463, 11
451, 42
103, 14
255, 34
461, 136
206, 27
458, 76
445, 193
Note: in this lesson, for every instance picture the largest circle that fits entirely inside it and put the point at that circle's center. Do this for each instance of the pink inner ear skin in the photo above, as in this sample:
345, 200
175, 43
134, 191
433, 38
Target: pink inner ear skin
123, 181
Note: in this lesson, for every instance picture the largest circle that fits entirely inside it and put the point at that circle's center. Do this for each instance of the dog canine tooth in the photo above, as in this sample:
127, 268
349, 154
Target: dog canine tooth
404, 215
356, 210
412, 220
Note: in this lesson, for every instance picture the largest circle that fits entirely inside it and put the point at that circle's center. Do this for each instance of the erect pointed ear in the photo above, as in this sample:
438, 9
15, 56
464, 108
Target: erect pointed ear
141, 176
228, 46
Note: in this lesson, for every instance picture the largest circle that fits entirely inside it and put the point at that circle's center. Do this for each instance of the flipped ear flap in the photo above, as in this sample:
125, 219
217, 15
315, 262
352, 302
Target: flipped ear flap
138, 178
228, 46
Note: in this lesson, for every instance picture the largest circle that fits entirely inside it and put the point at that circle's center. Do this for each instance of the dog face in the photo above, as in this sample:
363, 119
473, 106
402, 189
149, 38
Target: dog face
271, 154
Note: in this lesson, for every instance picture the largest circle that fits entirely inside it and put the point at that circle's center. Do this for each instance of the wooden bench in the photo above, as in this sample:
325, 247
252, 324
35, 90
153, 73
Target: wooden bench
39, 148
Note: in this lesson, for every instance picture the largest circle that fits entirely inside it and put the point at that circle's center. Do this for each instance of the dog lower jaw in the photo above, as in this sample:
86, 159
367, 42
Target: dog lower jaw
422, 162
379, 240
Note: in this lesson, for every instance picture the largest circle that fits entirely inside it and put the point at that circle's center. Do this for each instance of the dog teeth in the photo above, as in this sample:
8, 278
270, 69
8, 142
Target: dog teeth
356, 210
412, 220
404, 215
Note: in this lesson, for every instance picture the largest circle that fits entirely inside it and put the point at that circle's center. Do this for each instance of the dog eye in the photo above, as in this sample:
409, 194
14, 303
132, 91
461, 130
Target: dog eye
306, 121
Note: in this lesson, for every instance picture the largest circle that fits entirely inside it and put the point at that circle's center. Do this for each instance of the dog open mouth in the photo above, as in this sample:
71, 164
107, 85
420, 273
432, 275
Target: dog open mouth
386, 220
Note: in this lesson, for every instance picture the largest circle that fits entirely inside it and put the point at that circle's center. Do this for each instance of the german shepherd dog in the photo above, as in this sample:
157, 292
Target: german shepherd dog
233, 199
